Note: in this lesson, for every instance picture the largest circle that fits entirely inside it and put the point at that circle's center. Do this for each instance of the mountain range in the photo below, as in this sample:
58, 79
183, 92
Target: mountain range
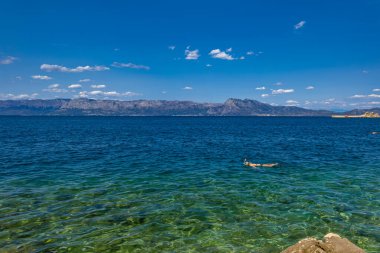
89, 107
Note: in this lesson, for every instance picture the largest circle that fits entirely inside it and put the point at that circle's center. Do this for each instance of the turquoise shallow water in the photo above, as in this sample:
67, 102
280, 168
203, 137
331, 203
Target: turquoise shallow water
156, 184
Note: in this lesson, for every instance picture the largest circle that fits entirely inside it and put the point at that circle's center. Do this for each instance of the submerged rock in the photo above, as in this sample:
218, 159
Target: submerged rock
331, 243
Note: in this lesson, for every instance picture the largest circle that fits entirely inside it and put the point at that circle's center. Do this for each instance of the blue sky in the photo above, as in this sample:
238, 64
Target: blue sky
314, 54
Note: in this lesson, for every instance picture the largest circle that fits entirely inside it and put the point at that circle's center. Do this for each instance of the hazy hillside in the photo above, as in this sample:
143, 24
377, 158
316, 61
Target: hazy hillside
231, 107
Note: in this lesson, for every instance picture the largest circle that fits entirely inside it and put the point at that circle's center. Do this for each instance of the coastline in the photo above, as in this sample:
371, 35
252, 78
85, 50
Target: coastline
91, 107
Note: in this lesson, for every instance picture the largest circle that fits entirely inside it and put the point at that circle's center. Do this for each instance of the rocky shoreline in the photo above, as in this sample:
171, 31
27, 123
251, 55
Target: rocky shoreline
331, 243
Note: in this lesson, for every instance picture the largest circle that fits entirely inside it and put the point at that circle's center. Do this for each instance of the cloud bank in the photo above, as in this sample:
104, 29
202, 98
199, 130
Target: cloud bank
98, 86
79, 69
282, 91
129, 65
18, 96
97, 93
74, 86
39, 77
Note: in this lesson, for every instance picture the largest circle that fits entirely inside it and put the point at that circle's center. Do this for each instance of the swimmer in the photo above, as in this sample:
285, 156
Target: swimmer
270, 165
375, 132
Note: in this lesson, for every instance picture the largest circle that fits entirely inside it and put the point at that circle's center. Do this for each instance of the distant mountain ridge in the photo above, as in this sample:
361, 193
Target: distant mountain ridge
88, 107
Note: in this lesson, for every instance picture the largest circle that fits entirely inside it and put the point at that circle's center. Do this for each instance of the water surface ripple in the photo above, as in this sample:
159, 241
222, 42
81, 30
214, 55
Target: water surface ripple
161, 184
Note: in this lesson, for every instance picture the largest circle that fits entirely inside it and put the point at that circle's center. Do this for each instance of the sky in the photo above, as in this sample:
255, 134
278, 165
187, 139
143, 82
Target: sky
312, 54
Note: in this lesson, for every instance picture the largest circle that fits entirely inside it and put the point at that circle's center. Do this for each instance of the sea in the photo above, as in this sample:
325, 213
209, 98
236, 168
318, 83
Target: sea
178, 184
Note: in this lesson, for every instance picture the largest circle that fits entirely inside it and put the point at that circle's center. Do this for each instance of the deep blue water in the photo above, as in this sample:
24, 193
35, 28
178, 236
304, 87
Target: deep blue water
177, 184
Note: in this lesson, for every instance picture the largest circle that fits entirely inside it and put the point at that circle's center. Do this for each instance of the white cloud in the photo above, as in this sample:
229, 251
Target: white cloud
98, 86
229, 50
18, 96
164, 92
130, 94
278, 84
95, 92
74, 86
129, 65
39, 77
292, 103
214, 51
100, 93
54, 85
376, 90
208, 65
365, 71
50, 68
171, 47
242, 58
310, 87
18, 77
111, 93
299, 25
7, 60
54, 88
366, 104
282, 91
328, 104
264, 95
218, 54
358, 96
83, 94
366, 96
188, 88
85, 80
250, 53
191, 54
260, 88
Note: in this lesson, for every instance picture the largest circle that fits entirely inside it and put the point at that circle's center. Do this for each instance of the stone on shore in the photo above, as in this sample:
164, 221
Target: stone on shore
331, 243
